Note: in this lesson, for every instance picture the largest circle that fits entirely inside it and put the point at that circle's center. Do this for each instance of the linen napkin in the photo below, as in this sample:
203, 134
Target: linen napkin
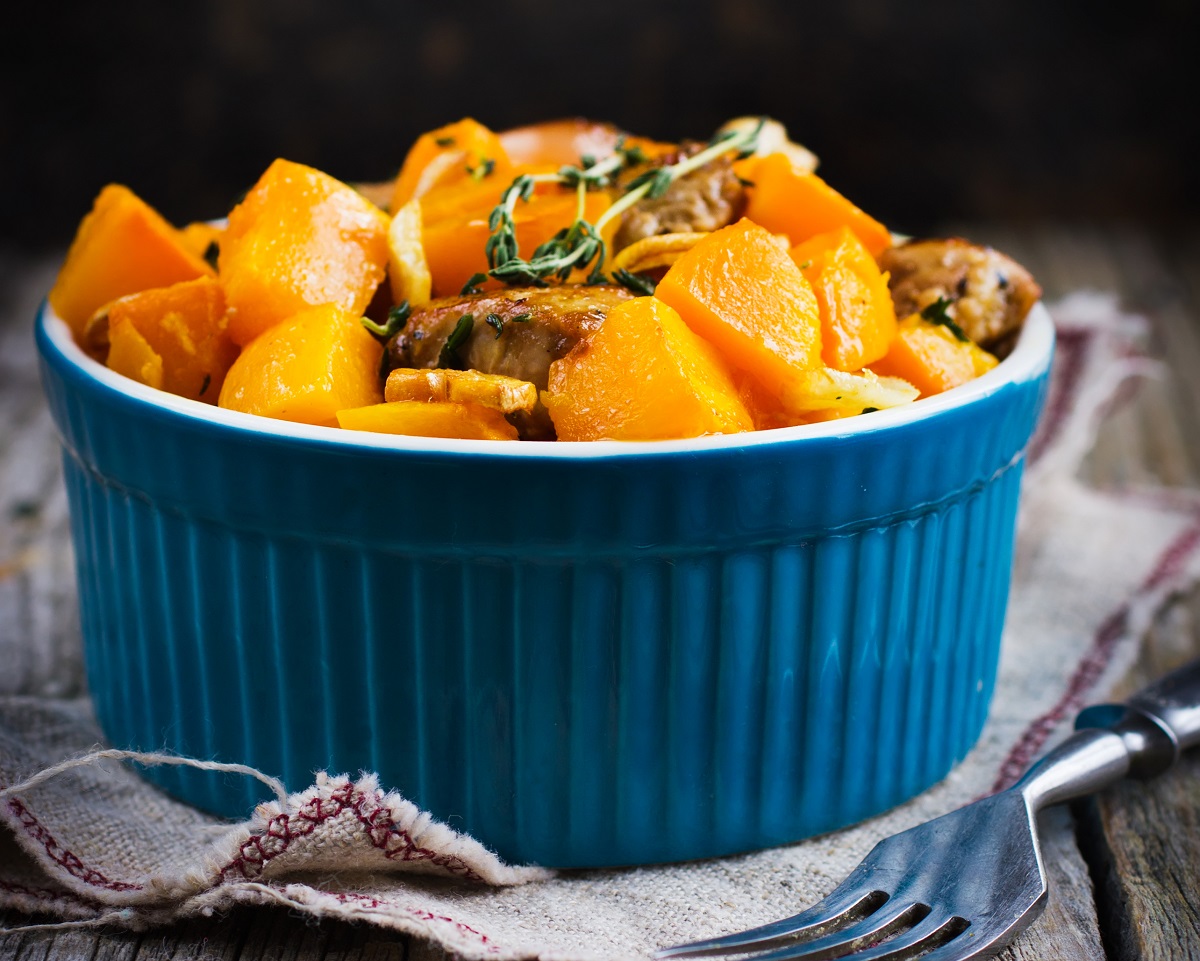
96, 844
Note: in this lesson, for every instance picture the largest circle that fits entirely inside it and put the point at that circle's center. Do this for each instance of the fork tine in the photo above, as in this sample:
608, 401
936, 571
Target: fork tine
845, 941
839, 906
935, 931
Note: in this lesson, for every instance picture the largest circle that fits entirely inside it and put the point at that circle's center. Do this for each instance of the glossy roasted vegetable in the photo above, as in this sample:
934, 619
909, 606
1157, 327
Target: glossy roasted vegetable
422, 419
739, 290
932, 357
307, 368
122, 247
789, 200
299, 239
644, 375
857, 318
185, 327
466, 150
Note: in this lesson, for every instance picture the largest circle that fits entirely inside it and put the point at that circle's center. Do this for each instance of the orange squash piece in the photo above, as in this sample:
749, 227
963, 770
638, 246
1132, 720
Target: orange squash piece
122, 246
787, 200
643, 375
130, 354
421, 419
299, 239
858, 320
454, 245
306, 369
184, 325
931, 358
462, 151
739, 290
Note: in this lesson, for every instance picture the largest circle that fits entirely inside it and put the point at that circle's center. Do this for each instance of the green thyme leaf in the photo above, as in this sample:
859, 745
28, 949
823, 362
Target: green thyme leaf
472, 285
484, 169
521, 319
206, 384
581, 245
448, 358
496, 322
640, 284
397, 317
869, 410
936, 313
445, 141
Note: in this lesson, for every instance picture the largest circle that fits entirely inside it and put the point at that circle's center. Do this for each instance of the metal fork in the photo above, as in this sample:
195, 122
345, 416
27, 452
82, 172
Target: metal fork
966, 884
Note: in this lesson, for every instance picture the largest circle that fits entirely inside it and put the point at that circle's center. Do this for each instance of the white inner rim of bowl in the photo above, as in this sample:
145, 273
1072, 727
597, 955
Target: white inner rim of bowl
1027, 361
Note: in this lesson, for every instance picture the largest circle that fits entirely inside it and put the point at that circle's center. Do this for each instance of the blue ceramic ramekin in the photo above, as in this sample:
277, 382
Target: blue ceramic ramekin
582, 654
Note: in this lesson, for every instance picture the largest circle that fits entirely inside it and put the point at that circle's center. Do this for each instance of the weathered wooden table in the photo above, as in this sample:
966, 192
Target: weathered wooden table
1124, 868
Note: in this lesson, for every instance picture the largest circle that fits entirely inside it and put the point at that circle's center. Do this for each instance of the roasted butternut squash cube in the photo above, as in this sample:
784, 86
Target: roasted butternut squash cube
185, 326
122, 246
858, 320
299, 239
789, 200
423, 419
643, 375
462, 151
307, 368
130, 354
739, 290
931, 358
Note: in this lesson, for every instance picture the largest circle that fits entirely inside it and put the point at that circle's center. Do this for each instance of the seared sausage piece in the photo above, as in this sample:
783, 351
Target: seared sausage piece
991, 293
537, 325
706, 199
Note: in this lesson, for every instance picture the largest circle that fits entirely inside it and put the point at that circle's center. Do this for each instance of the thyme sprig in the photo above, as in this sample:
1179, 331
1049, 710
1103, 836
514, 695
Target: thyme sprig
397, 318
582, 243
936, 313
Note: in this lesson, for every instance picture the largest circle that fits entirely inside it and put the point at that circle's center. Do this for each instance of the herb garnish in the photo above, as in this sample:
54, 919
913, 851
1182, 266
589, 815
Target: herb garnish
448, 358
445, 141
936, 313
497, 322
472, 285
639, 283
484, 169
397, 317
521, 319
206, 384
581, 244
869, 410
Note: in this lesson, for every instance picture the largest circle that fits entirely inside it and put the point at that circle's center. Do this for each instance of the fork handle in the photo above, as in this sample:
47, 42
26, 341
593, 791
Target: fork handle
1141, 738
1157, 723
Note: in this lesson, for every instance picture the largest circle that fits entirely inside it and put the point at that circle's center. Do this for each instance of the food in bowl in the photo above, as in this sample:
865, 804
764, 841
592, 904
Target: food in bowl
582, 654
636, 290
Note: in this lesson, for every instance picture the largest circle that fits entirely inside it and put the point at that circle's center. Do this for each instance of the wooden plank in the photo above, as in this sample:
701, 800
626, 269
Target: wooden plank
39, 631
264, 934
1142, 840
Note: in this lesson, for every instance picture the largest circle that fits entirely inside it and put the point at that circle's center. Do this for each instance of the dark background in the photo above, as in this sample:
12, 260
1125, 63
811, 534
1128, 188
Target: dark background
921, 112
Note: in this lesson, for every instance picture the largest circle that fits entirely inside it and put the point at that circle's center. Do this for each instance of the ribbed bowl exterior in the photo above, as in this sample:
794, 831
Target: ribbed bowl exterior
582, 662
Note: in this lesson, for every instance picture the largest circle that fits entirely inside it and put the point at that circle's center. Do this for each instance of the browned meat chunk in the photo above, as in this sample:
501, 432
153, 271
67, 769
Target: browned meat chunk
991, 293
706, 199
516, 332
